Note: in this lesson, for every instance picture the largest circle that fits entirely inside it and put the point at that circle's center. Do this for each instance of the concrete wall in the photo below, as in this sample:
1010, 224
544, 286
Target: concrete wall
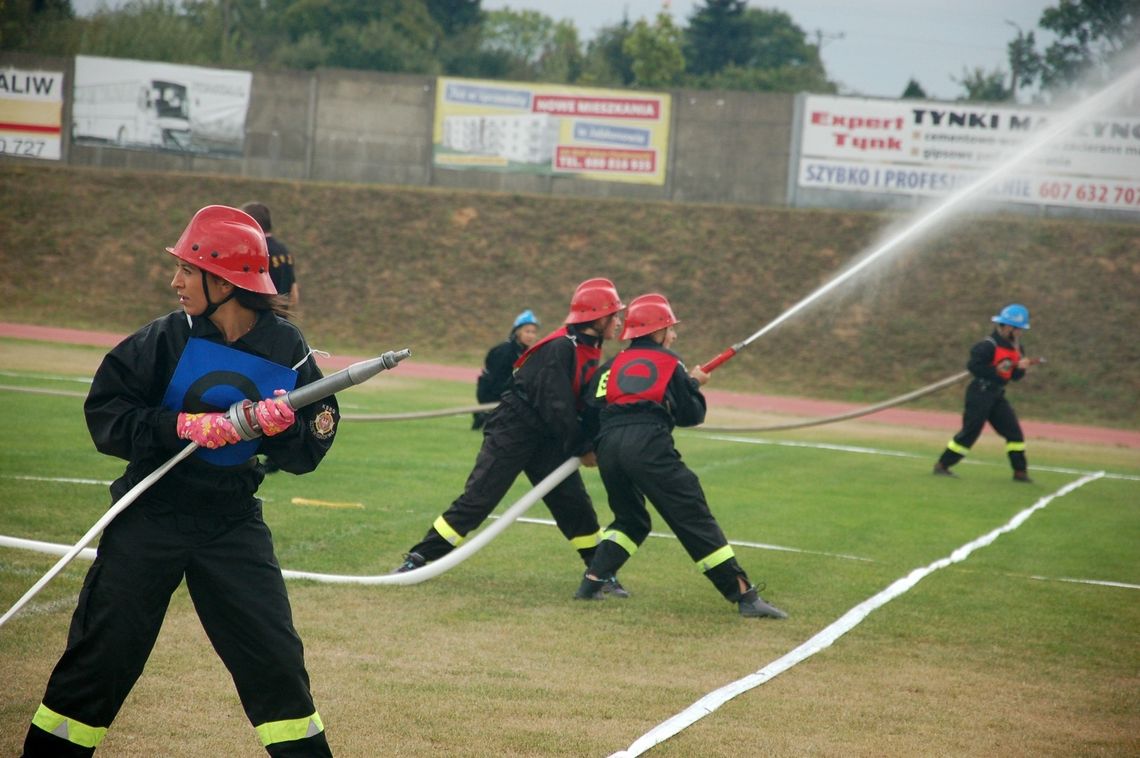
371, 127
731, 147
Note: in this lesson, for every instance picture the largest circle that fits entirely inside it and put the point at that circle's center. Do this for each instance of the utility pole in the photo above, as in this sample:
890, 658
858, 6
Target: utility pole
820, 37
1014, 60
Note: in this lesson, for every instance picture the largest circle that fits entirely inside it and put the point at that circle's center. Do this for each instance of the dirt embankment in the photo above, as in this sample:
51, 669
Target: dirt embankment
446, 272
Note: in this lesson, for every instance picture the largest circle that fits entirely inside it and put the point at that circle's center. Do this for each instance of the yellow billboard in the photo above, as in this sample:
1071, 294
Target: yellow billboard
598, 134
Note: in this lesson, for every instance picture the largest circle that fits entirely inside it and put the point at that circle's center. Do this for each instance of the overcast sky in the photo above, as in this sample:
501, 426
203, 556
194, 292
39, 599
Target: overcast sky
884, 42
870, 47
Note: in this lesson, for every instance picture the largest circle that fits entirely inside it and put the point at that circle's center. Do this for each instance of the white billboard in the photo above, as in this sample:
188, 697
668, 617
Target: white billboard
927, 148
145, 104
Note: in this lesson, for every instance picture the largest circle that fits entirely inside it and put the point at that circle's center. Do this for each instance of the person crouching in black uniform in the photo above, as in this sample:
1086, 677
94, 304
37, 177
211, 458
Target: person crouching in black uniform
499, 365
160, 388
535, 428
994, 362
644, 392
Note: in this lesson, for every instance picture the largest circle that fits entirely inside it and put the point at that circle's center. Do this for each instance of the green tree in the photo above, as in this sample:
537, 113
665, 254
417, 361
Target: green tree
561, 59
456, 16
913, 91
521, 37
606, 62
459, 49
655, 52
154, 31
1091, 35
718, 36
43, 26
751, 49
984, 86
1094, 39
382, 35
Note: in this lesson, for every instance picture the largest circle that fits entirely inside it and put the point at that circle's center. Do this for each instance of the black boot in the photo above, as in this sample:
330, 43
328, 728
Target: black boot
590, 589
412, 561
753, 606
941, 469
613, 588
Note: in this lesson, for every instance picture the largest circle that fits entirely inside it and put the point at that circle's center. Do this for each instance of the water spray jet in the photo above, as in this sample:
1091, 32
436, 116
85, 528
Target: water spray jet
954, 202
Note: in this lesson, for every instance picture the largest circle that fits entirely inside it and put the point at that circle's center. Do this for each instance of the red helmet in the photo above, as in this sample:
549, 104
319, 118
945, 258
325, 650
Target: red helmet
594, 299
227, 243
647, 314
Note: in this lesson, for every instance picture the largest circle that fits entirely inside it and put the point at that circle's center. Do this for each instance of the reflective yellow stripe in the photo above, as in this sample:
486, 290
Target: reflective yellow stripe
613, 535
954, 447
716, 558
445, 531
290, 729
1015, 447
75, 732
602, 383
588, 541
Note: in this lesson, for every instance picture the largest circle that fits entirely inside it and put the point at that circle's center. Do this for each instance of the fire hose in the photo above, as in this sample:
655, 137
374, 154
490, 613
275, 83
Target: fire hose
242, 417
858, 412
464, 551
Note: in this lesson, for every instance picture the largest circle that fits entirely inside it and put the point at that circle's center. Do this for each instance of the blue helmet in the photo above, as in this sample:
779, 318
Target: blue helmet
1013, 315
524, 318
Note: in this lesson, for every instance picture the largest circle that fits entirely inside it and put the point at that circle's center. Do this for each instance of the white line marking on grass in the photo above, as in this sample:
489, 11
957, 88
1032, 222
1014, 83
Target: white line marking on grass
1123, 585
63, 479
832, 632
901, 454
736, 543
51, 377
42, 391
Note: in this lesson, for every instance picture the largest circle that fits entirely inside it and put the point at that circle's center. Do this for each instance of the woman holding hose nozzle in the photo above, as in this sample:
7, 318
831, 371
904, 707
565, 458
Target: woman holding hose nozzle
643, 393
166, 384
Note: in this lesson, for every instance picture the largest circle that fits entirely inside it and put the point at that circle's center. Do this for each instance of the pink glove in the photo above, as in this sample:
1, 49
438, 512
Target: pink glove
209, 430
274, 416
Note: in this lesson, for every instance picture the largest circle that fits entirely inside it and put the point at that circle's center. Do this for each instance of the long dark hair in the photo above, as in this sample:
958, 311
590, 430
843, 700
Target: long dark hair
256, 301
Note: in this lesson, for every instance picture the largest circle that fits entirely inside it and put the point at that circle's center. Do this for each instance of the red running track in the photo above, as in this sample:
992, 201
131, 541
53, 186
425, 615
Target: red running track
787, 406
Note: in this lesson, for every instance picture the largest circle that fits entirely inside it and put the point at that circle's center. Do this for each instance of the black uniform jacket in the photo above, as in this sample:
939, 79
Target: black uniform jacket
543, 387
497, 369
981, 364
683, 403
126, 419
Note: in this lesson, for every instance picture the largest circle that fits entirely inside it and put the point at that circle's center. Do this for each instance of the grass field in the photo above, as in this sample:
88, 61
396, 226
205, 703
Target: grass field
998, 654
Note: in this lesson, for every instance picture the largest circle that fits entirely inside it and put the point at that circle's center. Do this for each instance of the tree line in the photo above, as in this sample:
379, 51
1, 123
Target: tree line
725, 44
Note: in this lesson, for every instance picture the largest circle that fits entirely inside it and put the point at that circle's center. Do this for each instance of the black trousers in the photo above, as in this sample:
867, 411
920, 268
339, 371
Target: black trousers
985, 403
236, 586
639, 461
513, 443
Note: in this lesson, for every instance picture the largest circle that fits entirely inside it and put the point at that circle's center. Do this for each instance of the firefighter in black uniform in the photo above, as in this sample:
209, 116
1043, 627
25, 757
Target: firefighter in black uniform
156, 390
499, 365
994, 362
644, 392
536, 427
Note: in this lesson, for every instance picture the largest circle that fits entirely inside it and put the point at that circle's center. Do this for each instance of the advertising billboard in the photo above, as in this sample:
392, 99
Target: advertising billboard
161, 106
924, 148
31, 108
598, 134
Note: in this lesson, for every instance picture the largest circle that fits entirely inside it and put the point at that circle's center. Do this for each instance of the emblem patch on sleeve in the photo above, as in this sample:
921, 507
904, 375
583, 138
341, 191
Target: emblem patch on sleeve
323, 424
